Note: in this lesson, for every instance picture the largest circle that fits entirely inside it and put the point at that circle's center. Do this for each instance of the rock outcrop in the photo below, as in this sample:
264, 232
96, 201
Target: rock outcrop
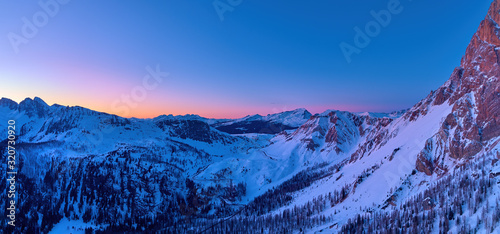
473, 91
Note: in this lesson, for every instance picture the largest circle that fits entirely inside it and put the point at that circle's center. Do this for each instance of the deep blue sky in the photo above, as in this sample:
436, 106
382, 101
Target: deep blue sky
264, 57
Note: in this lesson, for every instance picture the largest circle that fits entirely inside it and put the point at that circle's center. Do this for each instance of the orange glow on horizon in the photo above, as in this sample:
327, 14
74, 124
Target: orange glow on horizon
155, 106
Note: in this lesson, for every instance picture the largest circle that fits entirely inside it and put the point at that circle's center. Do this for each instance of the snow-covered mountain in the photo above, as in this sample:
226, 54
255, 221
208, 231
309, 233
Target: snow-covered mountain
432, 168
270, 124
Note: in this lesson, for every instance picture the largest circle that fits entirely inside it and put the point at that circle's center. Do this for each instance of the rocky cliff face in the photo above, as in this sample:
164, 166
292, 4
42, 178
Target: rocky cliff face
473, 91
171, 169
338, 131
470, 125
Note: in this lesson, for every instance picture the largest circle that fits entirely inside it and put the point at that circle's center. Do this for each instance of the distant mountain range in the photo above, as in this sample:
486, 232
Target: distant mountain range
432, 168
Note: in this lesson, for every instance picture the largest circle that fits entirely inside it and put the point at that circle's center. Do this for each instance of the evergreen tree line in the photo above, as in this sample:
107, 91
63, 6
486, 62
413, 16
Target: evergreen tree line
448, 203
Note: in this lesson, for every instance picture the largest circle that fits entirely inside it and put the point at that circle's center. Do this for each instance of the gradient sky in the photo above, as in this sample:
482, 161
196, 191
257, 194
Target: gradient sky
264, 57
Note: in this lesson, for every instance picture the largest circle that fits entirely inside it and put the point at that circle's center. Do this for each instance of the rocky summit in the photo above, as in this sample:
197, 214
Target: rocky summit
433, 168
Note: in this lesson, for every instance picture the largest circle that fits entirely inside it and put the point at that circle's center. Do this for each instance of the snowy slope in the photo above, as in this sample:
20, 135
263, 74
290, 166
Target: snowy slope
432, 168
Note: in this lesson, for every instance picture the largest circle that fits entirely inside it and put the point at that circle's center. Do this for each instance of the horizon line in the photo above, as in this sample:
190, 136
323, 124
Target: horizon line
194, 114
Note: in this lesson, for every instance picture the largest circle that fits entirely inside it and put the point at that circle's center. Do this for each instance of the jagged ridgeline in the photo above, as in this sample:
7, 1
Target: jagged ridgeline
432, 168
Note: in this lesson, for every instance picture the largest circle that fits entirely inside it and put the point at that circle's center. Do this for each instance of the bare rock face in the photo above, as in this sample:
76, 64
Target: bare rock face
338, 131
428, 204
471, 122
424, 159
377, 139
473, 91
481, 65
445, 91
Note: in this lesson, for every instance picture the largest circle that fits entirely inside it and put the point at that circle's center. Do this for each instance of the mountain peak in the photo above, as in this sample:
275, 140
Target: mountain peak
40, 101
472, 92
494, 11
34, 101
481, 69
485, 42
300, 110
8, 103
34, 106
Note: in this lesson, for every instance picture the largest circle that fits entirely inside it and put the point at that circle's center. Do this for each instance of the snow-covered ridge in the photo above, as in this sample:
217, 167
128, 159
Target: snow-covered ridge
432, 168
